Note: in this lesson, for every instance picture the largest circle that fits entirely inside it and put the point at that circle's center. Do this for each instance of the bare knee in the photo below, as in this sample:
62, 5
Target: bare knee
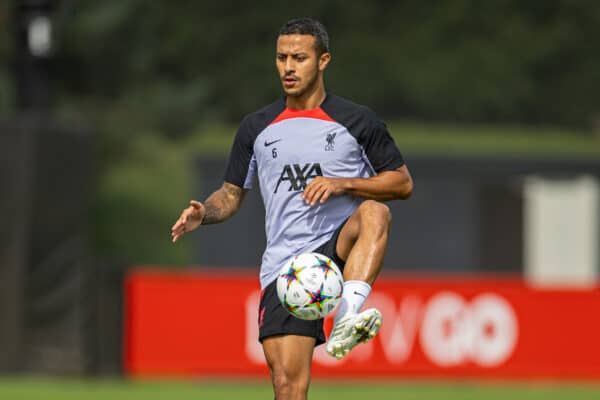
375, 214
289, 385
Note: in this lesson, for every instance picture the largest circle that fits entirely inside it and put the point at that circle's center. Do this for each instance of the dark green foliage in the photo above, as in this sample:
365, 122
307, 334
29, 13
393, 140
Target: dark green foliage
6, 87
174, 64
171, 72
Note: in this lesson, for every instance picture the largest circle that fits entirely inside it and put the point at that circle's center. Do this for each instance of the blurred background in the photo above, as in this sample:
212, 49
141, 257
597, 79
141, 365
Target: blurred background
114, 113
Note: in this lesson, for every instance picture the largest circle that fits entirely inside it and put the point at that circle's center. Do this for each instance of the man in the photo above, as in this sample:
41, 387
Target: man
324, 165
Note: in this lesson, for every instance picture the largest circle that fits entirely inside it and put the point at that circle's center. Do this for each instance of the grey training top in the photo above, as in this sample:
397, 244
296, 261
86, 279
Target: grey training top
286, 149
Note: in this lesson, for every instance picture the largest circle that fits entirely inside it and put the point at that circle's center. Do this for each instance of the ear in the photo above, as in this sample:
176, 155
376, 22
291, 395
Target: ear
324, 61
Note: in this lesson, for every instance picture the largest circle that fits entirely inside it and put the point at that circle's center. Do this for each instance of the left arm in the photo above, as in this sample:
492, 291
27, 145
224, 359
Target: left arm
387, 185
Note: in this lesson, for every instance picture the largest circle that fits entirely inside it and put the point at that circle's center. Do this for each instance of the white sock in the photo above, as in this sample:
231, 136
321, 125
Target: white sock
354, 296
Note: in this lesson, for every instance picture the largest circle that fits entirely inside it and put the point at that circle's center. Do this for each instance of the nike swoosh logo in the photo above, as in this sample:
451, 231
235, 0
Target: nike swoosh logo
360, 294
267, 144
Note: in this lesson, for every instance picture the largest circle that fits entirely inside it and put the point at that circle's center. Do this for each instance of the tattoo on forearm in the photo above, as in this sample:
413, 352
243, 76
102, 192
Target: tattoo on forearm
212, 214
222, 204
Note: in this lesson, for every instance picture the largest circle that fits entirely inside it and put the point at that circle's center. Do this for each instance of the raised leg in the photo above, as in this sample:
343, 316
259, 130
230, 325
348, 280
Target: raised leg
363, 240
362, 243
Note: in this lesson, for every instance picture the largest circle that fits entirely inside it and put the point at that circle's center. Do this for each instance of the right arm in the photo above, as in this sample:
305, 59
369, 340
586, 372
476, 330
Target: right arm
218, 207
225, 202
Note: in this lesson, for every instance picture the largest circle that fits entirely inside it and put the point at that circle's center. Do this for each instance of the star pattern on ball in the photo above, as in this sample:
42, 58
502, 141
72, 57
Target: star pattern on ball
291, 307
291, 274
324, 265
317, 298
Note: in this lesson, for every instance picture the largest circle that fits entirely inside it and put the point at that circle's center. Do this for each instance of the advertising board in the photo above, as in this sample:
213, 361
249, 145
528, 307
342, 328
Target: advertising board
203, 323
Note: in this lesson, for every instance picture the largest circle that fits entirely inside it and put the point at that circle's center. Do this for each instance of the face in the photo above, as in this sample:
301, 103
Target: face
298, 63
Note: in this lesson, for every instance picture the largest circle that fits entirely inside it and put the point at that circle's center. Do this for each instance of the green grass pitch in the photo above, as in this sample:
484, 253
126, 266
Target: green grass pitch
99, 389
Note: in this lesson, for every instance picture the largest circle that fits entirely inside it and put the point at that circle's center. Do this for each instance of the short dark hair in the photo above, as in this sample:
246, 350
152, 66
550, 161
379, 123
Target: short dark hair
308, 26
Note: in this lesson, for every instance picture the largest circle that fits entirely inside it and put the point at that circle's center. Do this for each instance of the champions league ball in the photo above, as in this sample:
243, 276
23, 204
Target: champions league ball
310, 286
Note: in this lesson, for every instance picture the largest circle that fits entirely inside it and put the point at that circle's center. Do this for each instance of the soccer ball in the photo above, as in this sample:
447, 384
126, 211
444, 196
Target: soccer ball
310, 286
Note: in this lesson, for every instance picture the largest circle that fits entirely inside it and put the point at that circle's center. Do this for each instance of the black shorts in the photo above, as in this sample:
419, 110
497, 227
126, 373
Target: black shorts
274, 320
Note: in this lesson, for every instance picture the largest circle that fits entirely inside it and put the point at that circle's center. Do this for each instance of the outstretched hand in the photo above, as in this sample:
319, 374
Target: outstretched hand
190, 219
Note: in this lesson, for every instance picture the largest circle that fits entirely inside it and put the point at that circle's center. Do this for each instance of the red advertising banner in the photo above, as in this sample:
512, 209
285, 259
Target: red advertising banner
199, 323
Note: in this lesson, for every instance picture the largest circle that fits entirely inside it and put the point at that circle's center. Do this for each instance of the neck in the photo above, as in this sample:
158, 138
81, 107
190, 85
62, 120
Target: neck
312, 98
